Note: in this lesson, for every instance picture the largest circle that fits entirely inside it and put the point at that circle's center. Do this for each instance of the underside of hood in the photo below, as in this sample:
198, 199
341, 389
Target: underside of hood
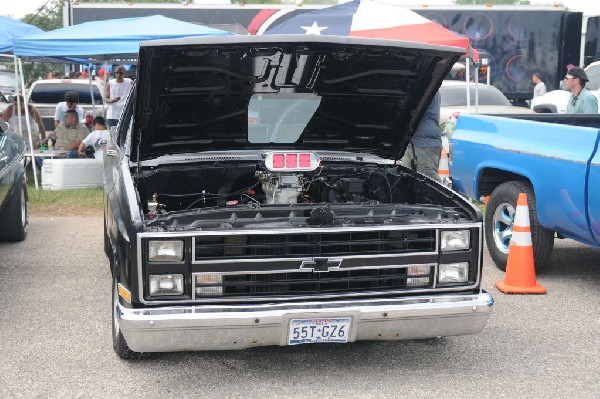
292, 92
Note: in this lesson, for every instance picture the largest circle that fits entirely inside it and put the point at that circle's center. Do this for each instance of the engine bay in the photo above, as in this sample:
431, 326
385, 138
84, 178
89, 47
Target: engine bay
254, 195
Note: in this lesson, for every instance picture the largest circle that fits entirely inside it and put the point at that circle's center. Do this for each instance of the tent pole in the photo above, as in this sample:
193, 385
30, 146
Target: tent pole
16, 75
477, 89
35, 178
468, 85
105, 77
91, 90
19, 110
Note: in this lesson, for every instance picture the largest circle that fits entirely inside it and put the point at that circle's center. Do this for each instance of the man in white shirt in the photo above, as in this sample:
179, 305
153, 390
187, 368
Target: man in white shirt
97, 138
71, 102
540, 86
116, 92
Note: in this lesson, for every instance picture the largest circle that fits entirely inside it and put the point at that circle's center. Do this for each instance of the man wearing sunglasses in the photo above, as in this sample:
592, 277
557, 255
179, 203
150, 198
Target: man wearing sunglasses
116, 91
581, 101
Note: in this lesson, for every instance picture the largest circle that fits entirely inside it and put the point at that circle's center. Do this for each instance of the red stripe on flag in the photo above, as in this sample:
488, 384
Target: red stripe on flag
259, 19
431, 33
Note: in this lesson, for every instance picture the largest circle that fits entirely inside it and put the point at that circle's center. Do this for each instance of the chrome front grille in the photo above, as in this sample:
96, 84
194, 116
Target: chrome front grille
235, 266
301, 245
312, 283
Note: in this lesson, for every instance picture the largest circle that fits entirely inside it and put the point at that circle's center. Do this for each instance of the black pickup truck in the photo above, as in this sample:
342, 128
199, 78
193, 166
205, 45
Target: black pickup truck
254, 197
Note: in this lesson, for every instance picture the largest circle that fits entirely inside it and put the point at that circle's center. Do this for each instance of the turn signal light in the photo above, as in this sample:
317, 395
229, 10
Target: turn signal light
124, 293
209, 284
421, 276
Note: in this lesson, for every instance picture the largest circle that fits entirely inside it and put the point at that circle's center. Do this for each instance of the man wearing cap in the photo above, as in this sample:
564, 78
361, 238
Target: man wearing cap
581, 100
116, 91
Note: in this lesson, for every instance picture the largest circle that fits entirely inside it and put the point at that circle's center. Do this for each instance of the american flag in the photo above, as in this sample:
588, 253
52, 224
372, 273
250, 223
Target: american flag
369, 18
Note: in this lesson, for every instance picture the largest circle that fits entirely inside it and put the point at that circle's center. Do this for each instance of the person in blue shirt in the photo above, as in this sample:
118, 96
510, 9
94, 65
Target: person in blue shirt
426, 145
581, 101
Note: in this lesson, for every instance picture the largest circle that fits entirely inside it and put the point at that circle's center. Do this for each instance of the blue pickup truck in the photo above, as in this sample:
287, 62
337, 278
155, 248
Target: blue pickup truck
552, 158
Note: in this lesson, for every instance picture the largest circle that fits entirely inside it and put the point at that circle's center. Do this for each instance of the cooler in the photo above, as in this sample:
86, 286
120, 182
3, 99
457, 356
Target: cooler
63, 174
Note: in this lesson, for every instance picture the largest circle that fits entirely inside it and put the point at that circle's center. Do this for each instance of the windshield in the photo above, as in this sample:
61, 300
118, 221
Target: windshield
272, 119
52, 93
453, 96
7, 80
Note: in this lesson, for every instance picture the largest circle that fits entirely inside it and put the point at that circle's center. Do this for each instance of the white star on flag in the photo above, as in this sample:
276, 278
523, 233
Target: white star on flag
313, 29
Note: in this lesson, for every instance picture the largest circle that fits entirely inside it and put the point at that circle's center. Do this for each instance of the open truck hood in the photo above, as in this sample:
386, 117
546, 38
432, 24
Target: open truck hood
222, 93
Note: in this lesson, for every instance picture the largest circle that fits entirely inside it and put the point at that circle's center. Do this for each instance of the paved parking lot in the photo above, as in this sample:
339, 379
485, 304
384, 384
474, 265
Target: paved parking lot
55, 339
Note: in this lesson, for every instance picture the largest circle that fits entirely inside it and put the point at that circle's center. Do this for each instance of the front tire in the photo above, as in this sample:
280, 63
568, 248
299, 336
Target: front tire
15, 217
119, 344
499, 216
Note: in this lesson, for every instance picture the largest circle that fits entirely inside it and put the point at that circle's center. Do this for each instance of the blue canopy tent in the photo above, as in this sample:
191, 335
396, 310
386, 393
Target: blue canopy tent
11, 29
109, 38
106, 40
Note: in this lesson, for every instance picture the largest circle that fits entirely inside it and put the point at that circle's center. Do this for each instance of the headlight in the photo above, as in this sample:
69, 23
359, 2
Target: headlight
209, 284
165, 251
453, 273
421, 276
166, 284
455, 240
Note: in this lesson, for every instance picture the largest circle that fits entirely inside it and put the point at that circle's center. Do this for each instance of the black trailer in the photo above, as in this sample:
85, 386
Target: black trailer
521, 40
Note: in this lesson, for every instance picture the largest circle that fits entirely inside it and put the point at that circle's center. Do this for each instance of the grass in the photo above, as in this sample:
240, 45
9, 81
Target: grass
82, 202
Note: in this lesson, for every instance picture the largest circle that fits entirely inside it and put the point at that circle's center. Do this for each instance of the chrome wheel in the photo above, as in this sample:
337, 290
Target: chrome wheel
115, 315
504, 214
24, 215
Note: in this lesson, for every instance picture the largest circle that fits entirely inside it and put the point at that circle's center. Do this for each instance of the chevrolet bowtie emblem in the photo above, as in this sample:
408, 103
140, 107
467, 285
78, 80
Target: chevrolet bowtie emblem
321, 265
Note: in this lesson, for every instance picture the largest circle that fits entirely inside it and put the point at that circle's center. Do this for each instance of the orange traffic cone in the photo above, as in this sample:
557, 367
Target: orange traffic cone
520, 269
443, 168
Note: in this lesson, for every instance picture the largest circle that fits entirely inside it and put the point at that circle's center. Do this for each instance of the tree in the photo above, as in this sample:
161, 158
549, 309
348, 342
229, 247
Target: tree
512, 2
258, 1
134, 1
47, 17
332, 2
50, 15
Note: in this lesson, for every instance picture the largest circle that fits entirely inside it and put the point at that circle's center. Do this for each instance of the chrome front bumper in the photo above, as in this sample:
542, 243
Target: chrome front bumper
192, 328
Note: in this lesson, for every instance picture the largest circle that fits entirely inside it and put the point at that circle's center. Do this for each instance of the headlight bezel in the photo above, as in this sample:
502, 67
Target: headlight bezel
154, 282
177, 247
455, 273
450, 240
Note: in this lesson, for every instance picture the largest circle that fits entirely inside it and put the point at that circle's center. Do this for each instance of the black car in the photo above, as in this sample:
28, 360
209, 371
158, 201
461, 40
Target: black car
14, 217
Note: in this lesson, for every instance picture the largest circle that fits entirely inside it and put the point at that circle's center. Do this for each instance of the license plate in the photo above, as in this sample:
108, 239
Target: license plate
309, 331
